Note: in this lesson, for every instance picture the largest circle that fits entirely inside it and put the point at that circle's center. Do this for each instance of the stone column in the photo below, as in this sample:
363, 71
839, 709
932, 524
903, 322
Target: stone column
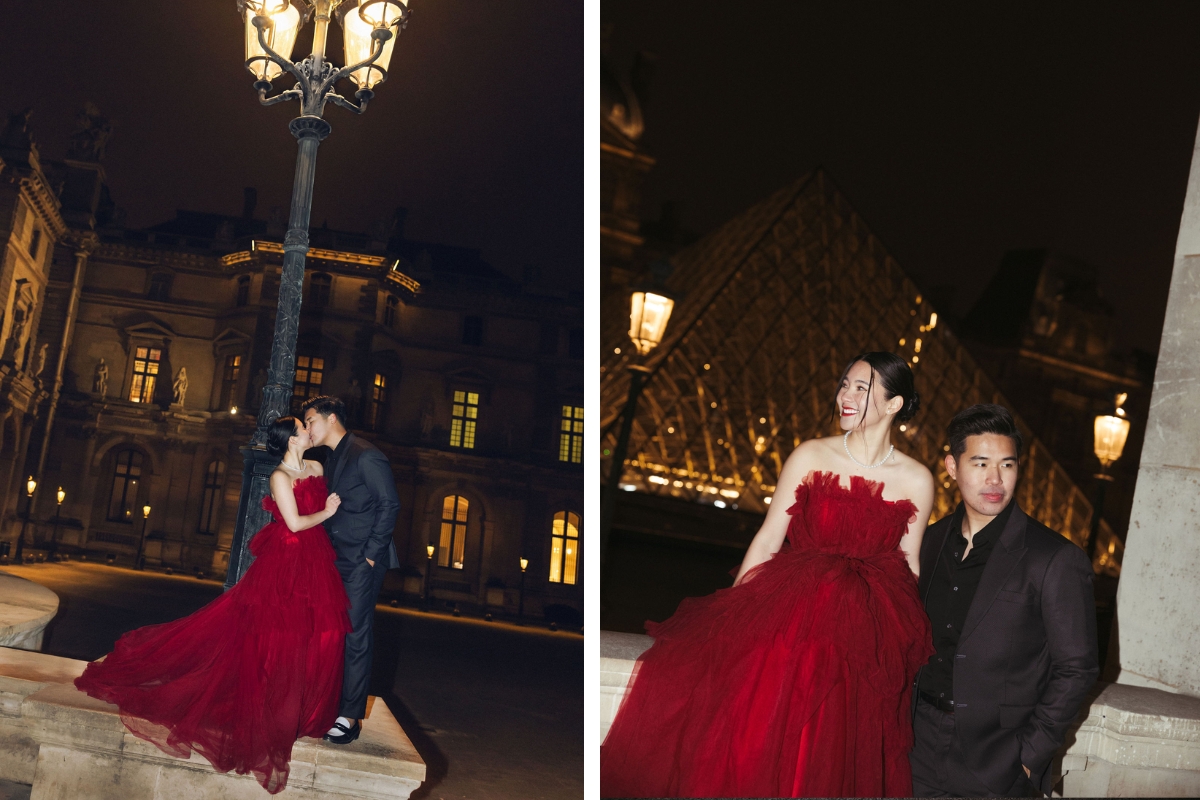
1157, 631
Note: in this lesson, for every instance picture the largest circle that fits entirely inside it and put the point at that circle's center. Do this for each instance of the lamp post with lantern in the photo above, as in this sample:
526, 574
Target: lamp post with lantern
369, 30
30, 488
60, 496
521, 597
140, 563
428, 569
1111, 431
649, 312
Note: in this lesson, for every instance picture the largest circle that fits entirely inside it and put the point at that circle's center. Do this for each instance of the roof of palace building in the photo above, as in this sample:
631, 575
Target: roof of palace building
770, 307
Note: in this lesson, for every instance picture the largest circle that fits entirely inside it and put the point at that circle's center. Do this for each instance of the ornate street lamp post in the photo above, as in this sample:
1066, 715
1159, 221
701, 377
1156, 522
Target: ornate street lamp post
57, 515
30, 488
1111, 431
140, 563
649, 312
369, 29
521, 600
428, 569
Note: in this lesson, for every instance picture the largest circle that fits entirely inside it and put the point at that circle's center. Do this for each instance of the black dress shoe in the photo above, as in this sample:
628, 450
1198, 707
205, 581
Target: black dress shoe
348, 734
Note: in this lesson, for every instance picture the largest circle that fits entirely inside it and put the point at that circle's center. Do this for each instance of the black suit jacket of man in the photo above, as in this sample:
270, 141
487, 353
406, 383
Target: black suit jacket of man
363, 524
1027, 655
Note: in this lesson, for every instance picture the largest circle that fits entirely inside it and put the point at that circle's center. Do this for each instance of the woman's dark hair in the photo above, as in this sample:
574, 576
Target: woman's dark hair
980, 419
278, 433
896, 378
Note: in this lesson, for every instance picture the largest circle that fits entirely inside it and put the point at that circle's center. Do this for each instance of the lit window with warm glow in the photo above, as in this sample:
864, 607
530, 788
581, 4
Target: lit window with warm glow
564, 547
464, 415
233, 367
378, 402
452, 543
310, 375
570, 438
145, 374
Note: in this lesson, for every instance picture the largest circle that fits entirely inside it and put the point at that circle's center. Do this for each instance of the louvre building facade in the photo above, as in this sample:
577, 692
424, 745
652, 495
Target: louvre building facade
133, 362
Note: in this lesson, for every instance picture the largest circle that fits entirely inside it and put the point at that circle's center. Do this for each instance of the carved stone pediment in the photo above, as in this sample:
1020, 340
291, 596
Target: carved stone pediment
231, 341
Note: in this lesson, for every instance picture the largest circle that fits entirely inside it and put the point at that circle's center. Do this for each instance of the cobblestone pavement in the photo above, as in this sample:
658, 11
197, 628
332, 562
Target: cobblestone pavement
495, 709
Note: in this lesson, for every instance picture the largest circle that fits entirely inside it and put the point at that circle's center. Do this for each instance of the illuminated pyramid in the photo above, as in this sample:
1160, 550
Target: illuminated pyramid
771, 307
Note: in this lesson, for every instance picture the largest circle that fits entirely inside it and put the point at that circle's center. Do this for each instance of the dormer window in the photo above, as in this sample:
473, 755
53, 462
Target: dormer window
160, 287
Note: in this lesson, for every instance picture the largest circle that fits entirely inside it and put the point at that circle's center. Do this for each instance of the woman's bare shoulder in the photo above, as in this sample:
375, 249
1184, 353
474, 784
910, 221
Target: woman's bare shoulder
914, 476
316, 466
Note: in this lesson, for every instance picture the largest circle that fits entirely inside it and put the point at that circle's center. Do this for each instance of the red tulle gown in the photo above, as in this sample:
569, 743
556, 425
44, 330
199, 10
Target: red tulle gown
797, 682
241, 679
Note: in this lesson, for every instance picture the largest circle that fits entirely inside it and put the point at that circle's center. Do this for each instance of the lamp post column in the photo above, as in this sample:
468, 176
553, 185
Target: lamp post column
257, 464
637, 376
1103, 479
24, 523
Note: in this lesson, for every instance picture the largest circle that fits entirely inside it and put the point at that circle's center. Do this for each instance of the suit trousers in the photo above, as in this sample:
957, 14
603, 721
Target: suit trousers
938, 767
362, 582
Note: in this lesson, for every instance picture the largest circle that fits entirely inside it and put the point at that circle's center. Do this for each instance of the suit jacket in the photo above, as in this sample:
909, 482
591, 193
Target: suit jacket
363, 524
1028, 651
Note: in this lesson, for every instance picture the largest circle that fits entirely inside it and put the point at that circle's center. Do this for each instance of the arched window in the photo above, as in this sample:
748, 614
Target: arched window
453, 541
127, 473
214, 480
564, 547
146, 361
318, 290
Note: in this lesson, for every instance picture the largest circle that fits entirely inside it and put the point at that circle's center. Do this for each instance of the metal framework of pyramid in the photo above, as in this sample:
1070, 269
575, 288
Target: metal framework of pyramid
770, 308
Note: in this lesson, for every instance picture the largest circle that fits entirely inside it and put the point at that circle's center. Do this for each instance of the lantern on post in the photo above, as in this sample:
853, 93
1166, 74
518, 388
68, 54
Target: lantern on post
1110, 433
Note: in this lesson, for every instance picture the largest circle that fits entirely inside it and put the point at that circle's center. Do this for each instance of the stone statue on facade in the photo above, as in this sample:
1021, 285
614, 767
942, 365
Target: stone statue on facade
427, 419
180, 386
13, 347
90, 138
100, 379
41, 359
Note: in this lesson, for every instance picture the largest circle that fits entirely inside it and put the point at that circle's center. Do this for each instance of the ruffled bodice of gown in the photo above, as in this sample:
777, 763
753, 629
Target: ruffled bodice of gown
796, 682
242, 678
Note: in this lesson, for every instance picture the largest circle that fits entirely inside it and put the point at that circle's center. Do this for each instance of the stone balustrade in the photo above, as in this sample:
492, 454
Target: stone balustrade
26, 608
68, 745
1129, 741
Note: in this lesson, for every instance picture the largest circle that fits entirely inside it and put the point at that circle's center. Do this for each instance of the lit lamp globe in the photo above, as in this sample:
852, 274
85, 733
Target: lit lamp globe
30, 486
145, 512
61, 495
649, 313
1111, 433
362, 24
429, 550
524, 564
284, 22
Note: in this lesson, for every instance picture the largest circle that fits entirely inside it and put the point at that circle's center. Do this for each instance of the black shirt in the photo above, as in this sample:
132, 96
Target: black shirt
951, 590
335, 455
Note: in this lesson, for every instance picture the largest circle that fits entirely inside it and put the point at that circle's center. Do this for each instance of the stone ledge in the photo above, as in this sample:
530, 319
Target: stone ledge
61, 740
25, 610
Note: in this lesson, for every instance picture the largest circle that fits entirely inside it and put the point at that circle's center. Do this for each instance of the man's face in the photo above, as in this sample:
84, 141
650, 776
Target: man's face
318, 426
986, 473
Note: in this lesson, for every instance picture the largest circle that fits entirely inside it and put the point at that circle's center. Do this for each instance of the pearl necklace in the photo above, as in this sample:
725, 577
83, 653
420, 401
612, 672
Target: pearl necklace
846, 444
283, 463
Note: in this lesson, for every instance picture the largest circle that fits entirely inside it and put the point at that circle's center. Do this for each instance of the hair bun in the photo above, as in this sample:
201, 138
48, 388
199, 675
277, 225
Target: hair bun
910, 408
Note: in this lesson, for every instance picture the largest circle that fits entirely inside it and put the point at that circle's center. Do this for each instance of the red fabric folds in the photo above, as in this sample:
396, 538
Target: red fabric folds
242, 678
795, 683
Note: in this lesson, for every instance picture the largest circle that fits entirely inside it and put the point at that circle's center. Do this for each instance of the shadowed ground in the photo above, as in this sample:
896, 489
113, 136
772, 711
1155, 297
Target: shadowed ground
496, 710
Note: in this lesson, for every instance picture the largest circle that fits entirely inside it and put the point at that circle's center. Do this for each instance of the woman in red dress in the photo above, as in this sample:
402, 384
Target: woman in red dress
796, 681
242, 678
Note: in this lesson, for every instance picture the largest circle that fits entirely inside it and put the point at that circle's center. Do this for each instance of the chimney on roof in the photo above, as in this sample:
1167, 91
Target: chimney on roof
249, 201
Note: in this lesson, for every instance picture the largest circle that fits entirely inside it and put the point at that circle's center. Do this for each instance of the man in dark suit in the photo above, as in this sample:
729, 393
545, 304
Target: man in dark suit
1014, 628
361, 532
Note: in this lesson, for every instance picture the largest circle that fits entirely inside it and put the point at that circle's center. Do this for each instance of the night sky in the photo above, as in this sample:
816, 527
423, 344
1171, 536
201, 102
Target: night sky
477, 129
958, 131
